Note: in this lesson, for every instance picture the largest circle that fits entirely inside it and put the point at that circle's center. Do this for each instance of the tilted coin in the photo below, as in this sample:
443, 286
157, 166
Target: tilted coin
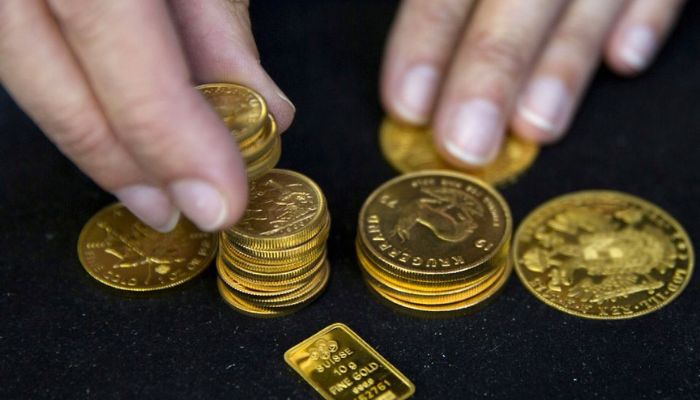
410, 148
242, 109
434, 224
603, 255
120, 251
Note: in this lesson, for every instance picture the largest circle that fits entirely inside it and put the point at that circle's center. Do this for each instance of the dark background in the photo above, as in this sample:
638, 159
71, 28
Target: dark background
64, 335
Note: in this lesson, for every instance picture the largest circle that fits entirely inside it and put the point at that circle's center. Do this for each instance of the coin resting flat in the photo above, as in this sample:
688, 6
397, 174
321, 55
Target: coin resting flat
339, 365
410, 148
441, 233
603, 255
120, 251
273, 262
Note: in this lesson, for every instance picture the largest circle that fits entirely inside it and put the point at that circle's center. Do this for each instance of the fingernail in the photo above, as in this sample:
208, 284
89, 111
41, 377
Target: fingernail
286, 99
546, 104
416, 93
151, 205
638, 46
475, 132
201, 202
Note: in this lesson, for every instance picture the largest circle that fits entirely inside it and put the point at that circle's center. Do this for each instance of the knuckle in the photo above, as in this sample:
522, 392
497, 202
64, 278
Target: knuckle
80, 137
501, 53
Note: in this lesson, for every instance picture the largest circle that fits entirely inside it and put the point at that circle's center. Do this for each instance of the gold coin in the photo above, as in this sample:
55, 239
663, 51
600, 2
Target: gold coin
434, 225
259, 146
296, 275
306, 250
285, 210
120, 251
451, 309
233, 280
286, 296
243, 110
410, 148
388, 277
267, 161
603, 255
419, 289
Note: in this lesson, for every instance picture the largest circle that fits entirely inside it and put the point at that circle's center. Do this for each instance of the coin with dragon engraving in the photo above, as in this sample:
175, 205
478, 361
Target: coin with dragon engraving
603, 255
410, 148
243, 110
285, 209
434, 225
120, 251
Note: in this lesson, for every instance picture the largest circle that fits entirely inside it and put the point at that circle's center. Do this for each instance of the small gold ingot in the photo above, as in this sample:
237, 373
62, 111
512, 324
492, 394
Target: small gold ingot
339, 365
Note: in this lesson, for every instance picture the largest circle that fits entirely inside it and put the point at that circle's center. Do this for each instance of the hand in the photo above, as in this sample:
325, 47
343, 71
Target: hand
111, 84
471, 68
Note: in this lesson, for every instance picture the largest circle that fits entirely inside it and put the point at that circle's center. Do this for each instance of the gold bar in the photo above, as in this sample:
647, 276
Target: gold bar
340, 365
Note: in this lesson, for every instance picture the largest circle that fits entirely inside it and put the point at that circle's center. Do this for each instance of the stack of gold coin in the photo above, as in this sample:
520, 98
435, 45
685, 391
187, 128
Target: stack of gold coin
273, 262
244, 111
435, 242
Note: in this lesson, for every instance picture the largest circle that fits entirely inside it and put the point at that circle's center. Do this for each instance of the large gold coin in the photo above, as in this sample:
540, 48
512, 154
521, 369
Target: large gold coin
410, 148
285, 210
120, 251
434, 225
242, 109
603, 255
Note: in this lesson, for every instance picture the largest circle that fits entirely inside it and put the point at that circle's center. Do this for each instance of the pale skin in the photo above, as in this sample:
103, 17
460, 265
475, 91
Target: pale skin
111, 83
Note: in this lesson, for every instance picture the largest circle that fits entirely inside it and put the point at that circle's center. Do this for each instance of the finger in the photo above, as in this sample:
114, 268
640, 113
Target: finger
642, 28
44, 78
496, 54
564, 70
130, 52
420, 46
220, 47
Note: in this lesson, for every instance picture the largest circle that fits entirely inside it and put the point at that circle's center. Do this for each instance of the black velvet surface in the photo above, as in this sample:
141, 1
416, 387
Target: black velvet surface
63, 335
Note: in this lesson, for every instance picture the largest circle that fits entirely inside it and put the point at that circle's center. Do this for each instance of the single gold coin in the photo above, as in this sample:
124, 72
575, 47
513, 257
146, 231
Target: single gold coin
410, 148
434, 225
120, 251
243, 110
603, 255
285, 210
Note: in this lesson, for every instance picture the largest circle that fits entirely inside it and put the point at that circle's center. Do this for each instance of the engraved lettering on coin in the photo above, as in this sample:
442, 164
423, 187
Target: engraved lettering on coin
602, 255
449, 213
119, 250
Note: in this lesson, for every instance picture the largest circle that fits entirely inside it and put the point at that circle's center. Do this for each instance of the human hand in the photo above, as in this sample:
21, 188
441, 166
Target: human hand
111, 84
471, 68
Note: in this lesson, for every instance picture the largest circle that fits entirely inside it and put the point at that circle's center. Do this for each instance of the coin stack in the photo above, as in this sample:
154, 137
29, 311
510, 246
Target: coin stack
244, 111
273, 262
435, 242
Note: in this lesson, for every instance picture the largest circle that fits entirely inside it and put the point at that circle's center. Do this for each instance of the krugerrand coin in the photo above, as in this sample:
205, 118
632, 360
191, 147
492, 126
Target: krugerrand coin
603, 255
410, 148
243, 110
435, 241
120, 251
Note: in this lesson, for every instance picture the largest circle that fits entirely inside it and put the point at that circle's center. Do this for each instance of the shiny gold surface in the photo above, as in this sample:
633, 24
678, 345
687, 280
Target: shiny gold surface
242, 109
338, 364
285, 209
434, 224
410, 148
120, 251
434, 242
273, 262
603, 255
